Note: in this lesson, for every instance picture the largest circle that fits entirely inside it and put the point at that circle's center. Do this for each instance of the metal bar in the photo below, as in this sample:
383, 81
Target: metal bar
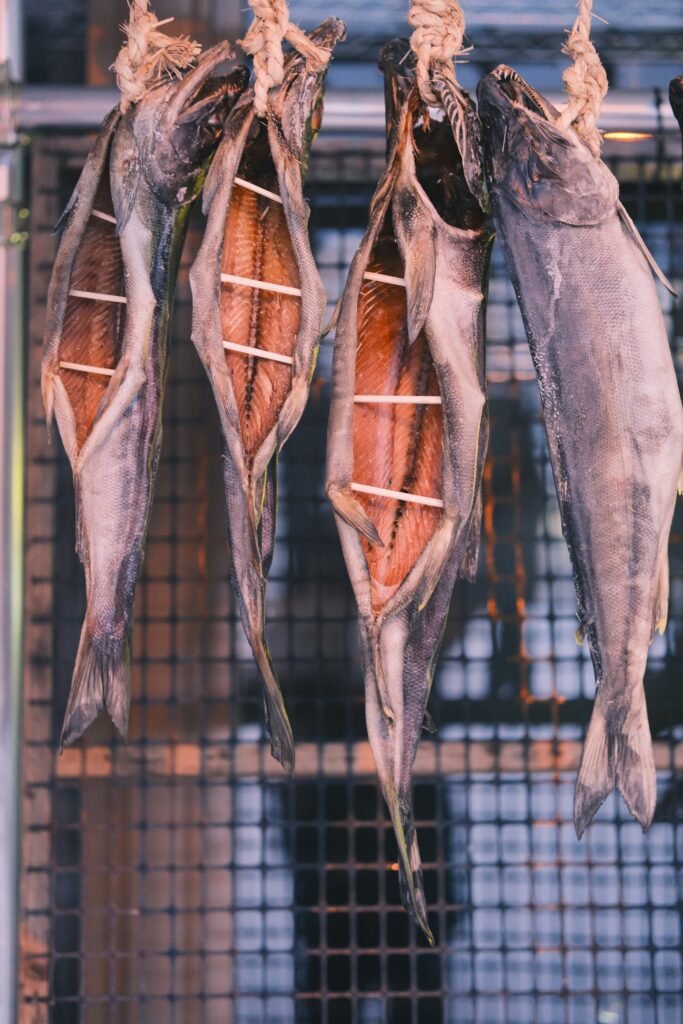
12, 416
347, 111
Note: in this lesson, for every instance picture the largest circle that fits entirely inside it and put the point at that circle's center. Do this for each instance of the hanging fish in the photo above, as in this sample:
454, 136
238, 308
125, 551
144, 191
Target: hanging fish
612, 412
408, 427
105, 357
258, 304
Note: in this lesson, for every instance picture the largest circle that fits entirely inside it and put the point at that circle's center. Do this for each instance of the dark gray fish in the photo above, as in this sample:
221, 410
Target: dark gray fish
411, 326
258, 304
104, 363
612, 410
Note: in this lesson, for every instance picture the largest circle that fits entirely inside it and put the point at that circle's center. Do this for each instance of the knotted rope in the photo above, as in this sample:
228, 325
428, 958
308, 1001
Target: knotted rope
149, 55
263, 42
439, 27
585, 81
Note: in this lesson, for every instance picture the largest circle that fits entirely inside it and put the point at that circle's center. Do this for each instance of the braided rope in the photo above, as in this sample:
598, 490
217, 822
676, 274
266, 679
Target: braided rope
439, 27
585, 81
149, 55
263, 41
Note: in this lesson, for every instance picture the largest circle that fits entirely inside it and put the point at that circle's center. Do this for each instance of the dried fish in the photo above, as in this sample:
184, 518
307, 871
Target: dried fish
105, 357
408, 426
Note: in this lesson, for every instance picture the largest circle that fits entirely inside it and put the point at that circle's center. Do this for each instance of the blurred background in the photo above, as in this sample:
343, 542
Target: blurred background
183, 878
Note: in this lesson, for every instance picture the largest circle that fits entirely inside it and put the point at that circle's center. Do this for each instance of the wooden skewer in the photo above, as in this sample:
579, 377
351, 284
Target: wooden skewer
248, 282
398, 399
247, 350
103, 216
382, 492
83, 368
370, 275
98, 296
257, 188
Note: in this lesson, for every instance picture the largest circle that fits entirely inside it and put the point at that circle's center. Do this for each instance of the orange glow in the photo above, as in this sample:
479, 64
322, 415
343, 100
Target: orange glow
394, 866
627, 136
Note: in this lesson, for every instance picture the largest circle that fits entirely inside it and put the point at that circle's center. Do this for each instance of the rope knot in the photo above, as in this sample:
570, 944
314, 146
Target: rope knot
263, 41
148, 55
439, 27
585, 81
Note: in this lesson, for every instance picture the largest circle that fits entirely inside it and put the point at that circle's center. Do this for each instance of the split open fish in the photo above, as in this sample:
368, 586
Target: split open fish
612, 411
258, 304
408, 426
105, 356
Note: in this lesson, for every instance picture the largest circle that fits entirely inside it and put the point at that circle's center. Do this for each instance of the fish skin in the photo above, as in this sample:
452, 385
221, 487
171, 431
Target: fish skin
611, 406
251, 236
147, 165
446, 275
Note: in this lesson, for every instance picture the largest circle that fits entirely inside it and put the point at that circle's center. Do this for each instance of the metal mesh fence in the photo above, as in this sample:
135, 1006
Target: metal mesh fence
183, 879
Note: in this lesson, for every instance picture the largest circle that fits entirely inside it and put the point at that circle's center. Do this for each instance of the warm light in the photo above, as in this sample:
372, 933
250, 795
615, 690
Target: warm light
627, 136
393, 867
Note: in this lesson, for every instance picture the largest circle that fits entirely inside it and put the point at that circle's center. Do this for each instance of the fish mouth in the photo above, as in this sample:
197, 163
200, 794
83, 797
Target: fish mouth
507, 83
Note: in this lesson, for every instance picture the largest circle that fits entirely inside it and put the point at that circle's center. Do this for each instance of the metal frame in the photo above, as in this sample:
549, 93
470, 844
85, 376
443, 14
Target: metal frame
11, 497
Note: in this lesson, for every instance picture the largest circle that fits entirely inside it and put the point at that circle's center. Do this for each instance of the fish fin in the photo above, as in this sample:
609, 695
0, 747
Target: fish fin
616, 756
268, 516
439, 549
100, 681
579, 636
352, 512
638, 239
470, 557
661, 614
409, 864
679, 484
331, 324
277, 721
129, 189
429, 725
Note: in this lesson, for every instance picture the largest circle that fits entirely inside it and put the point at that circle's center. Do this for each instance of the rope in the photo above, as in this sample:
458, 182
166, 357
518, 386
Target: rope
263, 42
148, 55
439, 27
585, 81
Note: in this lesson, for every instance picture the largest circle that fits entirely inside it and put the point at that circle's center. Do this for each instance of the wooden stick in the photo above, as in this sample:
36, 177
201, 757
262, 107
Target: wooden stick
382, 492
257, 188
260, 353
98, 296
248, 282
370, 275
103, 216
84, 368
398, 399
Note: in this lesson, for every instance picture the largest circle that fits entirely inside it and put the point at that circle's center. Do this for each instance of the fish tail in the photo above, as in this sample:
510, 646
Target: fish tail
277, 721
617, 754
410, 878
101, 680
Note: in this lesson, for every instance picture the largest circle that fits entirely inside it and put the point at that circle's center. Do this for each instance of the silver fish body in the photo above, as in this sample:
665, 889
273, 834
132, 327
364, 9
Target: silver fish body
611, 406
143, 174
425, 338
257, 231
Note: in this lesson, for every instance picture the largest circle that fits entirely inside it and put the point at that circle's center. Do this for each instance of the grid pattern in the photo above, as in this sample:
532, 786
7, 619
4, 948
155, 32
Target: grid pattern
182, 879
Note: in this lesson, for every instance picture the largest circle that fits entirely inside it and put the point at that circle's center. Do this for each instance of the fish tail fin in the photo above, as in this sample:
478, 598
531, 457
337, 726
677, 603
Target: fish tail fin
409, 863
617, 756
277, 720
101, 680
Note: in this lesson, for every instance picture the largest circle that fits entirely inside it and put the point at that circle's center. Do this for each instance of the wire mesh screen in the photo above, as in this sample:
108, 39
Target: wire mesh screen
184, 879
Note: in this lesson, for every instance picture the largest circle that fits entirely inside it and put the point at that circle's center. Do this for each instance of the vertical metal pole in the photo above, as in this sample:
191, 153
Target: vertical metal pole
11, 499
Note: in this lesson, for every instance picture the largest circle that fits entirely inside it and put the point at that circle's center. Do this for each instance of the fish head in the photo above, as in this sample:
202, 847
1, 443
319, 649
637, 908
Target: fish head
297, 105
445, 141
546, 171
177, 126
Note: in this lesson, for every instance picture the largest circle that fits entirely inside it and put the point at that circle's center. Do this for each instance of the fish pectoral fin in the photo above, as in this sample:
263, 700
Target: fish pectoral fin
419, 273
352, 512
638, 239
129, 189
616, 755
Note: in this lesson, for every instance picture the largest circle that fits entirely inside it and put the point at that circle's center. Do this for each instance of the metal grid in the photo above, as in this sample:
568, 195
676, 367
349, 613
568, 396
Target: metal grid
182, 879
